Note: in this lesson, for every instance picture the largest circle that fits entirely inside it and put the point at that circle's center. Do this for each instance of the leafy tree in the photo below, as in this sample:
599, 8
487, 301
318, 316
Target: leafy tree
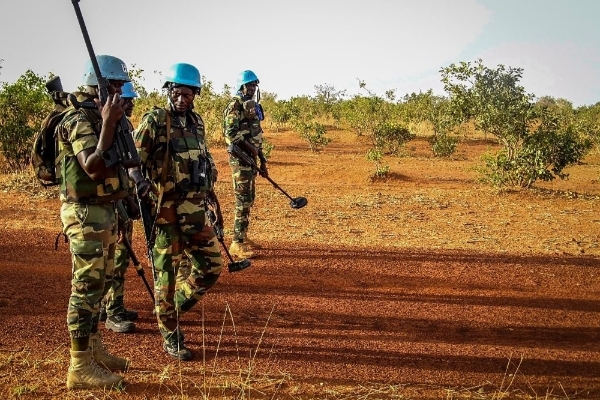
23, 106
377, 118
211, 105
326, 97
537, 143
587, 120
439, 113
313, 133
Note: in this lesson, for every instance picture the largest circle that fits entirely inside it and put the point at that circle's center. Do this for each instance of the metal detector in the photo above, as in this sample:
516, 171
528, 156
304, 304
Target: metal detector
236, 151
295, 202
233, 266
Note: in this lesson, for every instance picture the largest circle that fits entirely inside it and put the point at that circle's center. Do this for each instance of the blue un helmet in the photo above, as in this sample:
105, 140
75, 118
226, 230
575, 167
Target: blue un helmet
246, 76
128, 91
183, 74
111, 68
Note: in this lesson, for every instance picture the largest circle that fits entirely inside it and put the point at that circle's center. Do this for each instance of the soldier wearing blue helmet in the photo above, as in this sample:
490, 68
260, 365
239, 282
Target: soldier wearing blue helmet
117, 317
171, 144
89, 192
241, 126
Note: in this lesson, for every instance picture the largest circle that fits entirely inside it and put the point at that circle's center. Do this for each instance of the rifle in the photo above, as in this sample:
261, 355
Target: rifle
149, 223
123, 150
245, 159
212, 202
122, 212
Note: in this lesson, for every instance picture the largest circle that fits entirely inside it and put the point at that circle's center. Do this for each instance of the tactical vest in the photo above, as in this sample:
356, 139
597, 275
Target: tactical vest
189, 169
76, 186
249, 122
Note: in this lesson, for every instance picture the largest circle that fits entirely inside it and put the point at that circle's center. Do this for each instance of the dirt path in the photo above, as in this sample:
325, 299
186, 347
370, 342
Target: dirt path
428, 285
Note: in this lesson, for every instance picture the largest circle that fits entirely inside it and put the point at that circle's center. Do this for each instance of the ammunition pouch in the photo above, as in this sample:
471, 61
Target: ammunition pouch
192, 169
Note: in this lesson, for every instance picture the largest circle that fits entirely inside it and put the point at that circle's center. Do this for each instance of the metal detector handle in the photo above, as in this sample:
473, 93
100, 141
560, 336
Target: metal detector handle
102, 82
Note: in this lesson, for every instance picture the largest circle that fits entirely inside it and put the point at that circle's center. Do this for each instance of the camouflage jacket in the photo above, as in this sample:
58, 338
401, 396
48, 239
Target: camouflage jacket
240, 122
79, 130
191, 168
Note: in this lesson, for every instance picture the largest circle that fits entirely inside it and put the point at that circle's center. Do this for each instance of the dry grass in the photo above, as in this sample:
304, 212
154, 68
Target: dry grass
24, 376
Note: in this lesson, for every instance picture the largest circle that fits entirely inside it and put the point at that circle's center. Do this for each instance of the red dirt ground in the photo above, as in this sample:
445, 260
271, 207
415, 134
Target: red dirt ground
426, 285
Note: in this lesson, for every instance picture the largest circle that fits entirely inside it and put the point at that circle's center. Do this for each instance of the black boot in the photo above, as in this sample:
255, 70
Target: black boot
119, 324
175, 347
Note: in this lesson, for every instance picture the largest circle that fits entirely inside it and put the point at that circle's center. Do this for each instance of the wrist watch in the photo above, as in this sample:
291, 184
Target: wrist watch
99, 153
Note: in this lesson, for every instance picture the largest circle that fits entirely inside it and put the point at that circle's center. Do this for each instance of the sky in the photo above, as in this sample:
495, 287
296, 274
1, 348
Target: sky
294, 45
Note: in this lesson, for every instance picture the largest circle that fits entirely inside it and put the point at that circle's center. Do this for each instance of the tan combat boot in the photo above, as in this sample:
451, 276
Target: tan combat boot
84, 373
240, 250
102, 357
251, 243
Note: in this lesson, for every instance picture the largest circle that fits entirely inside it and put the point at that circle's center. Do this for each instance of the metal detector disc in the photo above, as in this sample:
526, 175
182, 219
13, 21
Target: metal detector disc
298, 202
238, 265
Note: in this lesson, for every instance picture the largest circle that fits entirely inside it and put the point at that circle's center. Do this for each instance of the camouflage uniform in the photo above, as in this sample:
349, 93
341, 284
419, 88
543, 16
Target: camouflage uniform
114, 298
181, 226
242, 123
88, 214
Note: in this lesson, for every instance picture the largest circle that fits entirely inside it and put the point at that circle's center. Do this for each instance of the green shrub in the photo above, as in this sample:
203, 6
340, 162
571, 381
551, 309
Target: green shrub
23, 106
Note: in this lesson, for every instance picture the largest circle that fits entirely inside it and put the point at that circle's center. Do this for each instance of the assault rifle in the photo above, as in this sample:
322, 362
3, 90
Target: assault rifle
149, 223
123, 150
247, 160
217, 224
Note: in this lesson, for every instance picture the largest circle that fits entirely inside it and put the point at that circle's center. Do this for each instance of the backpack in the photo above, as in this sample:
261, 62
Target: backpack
45, 145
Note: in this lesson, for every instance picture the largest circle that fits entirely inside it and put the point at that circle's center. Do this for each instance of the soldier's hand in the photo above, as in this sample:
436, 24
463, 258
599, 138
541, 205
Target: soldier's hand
113, 109
122, 231
263, 171
133, 210
143, 189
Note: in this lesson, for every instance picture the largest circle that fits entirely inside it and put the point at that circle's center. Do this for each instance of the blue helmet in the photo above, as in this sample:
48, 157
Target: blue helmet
111, 68
128, 91
183, 74
246, 76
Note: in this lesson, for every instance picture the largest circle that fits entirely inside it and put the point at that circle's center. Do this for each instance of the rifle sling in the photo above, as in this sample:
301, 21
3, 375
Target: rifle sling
165, 165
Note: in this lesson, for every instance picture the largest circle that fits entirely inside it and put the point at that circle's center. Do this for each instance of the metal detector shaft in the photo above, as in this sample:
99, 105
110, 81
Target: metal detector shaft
137, 265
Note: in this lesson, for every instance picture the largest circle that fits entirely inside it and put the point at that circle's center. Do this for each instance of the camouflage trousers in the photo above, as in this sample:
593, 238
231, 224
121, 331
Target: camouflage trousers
182, 231
245, 192
114, 298
92, 233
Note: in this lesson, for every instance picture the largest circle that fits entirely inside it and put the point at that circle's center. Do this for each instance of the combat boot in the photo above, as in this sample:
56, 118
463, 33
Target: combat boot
129, 315
102, 357
240, 250
251, 243
175, 347
118, 323
84, 373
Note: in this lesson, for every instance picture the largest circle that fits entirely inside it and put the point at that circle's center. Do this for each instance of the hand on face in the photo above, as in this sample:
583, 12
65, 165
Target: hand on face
112, 111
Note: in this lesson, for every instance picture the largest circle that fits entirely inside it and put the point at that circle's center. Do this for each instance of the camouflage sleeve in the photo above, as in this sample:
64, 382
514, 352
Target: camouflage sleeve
233, 114
144, 138
77, 130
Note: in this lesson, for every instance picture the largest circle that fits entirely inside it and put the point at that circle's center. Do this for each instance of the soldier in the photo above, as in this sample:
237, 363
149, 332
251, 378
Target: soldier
171, 145
117, 317
89, 191
242, 126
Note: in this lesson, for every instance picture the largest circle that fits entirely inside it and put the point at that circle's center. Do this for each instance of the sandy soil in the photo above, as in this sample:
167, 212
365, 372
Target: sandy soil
425, 285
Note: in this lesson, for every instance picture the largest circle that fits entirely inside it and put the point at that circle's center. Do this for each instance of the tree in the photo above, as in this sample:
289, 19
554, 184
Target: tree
23, 106
537, 142
438, 112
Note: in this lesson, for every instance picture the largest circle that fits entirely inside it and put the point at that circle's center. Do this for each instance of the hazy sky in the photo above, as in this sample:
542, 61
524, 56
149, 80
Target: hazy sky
294, 45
